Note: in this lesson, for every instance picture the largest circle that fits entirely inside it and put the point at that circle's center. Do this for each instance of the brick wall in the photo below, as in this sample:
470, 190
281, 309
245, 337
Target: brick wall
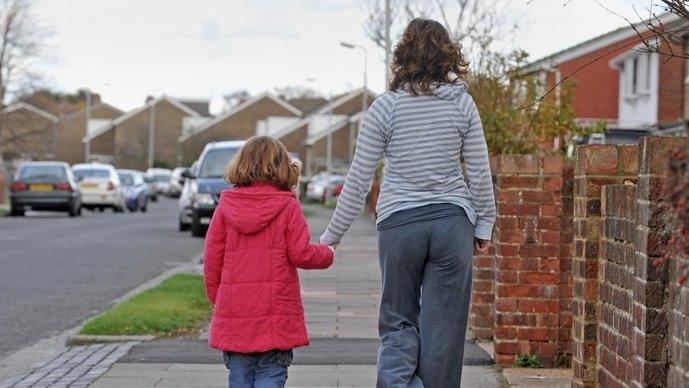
527, 275
671, 76
650, 305
616, 267
586, 255
595, 166
566, 246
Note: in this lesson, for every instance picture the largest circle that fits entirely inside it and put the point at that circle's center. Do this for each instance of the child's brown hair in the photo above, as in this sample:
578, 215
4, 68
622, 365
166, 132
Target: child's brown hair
263, 159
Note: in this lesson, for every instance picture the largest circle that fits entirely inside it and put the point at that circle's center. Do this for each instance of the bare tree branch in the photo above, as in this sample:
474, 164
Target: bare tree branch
20, 44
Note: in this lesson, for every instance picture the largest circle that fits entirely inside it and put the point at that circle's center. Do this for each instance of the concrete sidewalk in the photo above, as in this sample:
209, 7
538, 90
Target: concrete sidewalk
341, 305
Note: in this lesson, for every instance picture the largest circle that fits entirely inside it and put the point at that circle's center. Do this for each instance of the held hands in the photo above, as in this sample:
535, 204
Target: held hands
481, 246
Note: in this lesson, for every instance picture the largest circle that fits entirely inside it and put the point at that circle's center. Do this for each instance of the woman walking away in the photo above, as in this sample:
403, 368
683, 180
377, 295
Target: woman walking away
430, 219
257, 239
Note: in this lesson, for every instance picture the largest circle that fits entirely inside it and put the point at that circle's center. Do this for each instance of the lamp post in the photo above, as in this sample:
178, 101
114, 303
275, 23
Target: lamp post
364, 93
87, 145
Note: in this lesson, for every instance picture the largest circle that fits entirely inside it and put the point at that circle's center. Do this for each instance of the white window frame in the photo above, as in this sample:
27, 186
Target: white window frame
642, 73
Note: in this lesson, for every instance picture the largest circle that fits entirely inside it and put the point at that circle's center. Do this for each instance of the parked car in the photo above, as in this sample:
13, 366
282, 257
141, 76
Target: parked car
151, 188
184, 202
161, 178
44, 186
177, 181
100, 186
135, 190
207, 182
324, 185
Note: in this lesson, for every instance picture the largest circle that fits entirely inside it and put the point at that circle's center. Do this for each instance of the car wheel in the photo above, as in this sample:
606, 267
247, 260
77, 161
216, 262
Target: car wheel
183, 226
101, 209
118, 209
74, 210
144, 206
197, 229
17, 212
154, 198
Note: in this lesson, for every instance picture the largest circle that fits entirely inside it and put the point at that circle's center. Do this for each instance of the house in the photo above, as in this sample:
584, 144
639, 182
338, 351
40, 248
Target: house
28, 132
308, 136
615, 79
72, 128
237, 123
125, 140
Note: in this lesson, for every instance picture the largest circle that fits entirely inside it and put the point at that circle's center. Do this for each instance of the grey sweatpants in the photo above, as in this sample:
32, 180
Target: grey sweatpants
427, 270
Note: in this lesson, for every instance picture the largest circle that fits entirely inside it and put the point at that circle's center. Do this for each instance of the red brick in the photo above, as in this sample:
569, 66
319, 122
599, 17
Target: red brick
552, 164
539, 278
518, 164
597, 159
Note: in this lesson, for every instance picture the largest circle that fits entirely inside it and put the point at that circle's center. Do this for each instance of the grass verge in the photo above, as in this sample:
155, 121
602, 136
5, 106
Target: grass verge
176, 306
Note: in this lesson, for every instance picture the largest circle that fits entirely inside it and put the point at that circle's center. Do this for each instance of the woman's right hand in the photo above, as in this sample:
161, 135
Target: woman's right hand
481, 246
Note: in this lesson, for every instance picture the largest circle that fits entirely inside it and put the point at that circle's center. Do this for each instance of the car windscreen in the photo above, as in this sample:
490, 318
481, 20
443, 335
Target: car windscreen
82, 173
215, 162
42, 173
127, 179
161, 177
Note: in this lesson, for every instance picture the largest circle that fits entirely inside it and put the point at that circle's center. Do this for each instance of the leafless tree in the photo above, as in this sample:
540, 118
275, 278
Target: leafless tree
21, 41
474, 23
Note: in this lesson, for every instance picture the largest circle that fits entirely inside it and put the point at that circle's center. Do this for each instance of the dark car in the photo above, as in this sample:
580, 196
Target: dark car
44, 186
135, 190
206, 183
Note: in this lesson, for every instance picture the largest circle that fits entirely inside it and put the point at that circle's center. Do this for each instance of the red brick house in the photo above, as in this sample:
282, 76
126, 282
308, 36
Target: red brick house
28, 132
124, 141
71, 131
237, 123
308, 137
616, 80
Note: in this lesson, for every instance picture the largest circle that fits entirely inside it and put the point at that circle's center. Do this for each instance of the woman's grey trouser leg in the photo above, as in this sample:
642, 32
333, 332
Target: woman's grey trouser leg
422, 333
402, 257
445, 302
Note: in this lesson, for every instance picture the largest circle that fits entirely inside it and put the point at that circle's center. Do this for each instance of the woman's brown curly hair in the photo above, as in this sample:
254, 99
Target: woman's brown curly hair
426, 57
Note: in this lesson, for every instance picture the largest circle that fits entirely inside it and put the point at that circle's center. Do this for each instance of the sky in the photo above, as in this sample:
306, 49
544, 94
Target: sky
129, 49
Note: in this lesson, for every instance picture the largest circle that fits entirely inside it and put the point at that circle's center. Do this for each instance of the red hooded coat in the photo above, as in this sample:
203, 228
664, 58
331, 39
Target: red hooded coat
257, 239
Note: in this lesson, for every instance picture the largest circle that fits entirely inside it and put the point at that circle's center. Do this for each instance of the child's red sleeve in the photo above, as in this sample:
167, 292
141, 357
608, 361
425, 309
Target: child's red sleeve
300, 251
213, 256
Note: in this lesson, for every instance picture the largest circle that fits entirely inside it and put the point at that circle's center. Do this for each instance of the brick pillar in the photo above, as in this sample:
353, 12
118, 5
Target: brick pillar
566, 242
595, 166
616, 268
649, 308
678, 303
527, 275
481, 318
482, 313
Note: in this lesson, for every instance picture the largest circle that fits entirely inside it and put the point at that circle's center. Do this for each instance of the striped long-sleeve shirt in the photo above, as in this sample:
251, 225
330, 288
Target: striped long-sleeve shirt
421, 138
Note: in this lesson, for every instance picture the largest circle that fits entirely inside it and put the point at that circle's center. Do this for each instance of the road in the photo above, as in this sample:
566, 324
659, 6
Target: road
57, 271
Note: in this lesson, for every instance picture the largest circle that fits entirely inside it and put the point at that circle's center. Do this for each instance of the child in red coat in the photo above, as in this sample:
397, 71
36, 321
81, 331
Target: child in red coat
257, 239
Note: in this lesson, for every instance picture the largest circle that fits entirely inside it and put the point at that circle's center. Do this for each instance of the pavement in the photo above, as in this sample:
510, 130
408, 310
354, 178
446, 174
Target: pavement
341, 306
58, 271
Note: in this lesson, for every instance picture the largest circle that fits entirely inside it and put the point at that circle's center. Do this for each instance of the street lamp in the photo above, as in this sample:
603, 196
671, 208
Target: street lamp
364, 92
87, 146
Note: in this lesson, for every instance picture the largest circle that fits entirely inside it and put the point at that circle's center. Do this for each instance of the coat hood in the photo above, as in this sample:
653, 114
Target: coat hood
250, 209
449, 92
